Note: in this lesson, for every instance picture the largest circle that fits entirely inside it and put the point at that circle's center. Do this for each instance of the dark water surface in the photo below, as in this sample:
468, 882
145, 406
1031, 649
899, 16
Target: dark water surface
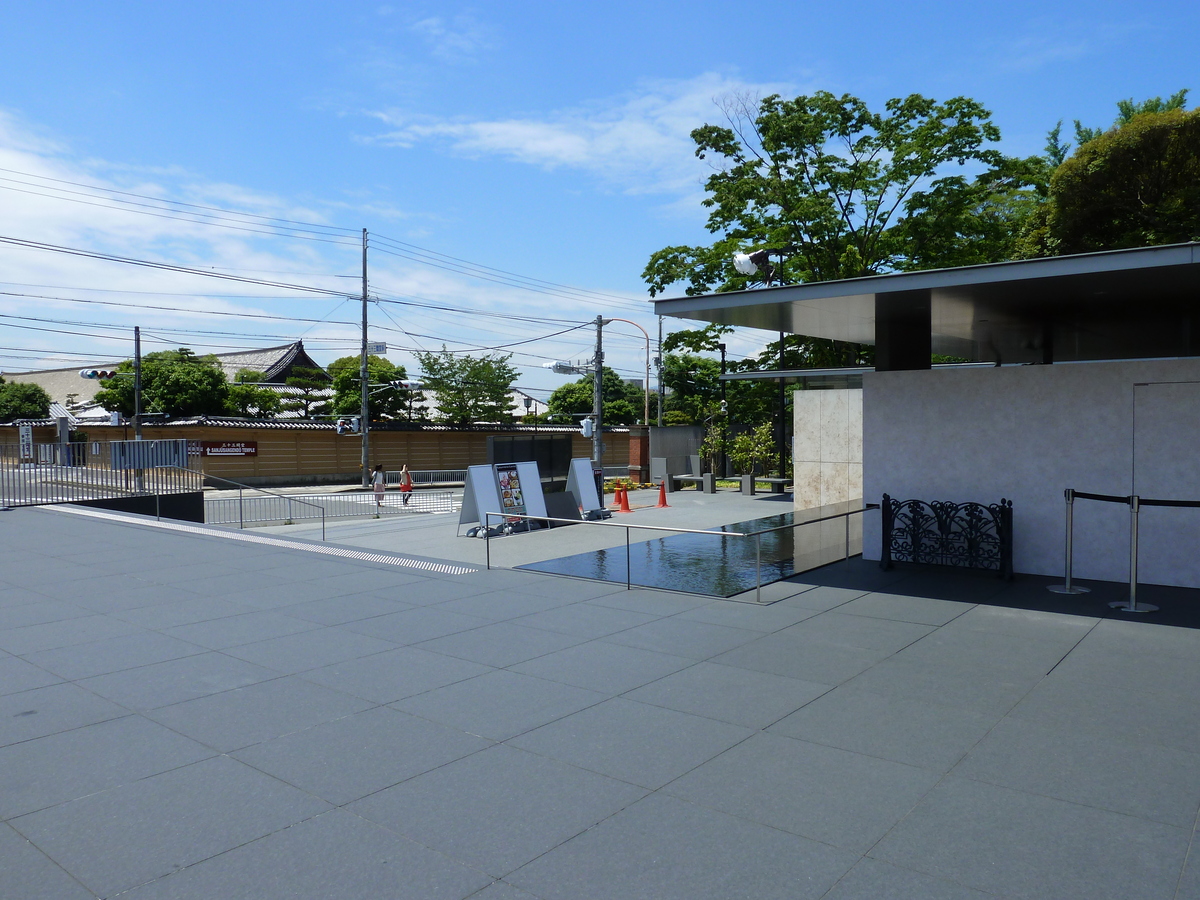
697, 563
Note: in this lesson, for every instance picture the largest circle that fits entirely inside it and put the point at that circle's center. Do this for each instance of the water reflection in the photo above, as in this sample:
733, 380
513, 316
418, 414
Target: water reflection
718, 566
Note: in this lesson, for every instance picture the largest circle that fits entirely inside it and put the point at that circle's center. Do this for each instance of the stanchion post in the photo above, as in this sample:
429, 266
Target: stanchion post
487, 540
628, 567
1131, 605
758, 568
1066, 587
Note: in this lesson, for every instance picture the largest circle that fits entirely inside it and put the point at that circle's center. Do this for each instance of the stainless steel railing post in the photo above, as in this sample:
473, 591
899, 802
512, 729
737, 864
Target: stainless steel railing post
241, 511
1067, 587
758, 568
628, 568
487, 539
1132, 605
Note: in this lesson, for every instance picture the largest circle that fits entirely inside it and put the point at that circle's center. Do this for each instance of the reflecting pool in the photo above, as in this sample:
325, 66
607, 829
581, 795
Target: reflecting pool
719, 566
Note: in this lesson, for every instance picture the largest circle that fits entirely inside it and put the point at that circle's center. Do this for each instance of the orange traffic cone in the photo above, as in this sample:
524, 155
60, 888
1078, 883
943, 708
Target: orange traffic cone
662, 495
623, 500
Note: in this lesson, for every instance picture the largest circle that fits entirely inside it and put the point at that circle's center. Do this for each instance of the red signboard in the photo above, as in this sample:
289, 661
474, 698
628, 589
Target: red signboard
230, 448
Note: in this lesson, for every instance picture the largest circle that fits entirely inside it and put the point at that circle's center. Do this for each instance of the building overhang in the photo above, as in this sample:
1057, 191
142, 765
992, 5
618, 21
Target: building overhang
1122, 304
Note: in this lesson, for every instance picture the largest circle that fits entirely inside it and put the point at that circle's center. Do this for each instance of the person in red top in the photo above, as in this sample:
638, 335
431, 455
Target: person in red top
406, 484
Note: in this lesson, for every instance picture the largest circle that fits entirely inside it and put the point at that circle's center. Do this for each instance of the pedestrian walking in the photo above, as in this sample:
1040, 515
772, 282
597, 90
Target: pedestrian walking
377, 485
406, 484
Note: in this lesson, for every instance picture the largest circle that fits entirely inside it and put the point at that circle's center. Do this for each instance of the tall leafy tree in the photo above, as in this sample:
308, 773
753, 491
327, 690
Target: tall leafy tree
387, 399
311, 383
174, 382
828, 186
23, 401
1127, 110
622, 402
248, 399
1133, 186
469, 388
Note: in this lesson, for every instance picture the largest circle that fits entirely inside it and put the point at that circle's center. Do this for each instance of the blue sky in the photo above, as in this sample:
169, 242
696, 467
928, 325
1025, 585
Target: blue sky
544, 139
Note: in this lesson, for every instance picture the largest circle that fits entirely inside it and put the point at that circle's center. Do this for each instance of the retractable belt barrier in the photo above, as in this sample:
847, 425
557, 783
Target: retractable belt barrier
1135, 503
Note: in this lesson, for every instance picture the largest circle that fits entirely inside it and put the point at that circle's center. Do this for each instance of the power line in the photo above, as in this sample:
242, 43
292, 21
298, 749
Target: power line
149, 264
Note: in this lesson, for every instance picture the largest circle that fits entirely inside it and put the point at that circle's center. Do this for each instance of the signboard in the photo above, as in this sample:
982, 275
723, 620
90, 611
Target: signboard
512, 497
230, 448
26, 440
581, 481
377, 348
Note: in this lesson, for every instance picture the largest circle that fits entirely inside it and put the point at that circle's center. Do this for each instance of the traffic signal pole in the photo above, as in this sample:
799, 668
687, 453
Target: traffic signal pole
598, 395
137, 383
364, 421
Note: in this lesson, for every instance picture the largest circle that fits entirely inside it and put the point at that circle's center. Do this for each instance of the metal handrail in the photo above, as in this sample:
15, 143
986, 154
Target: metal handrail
240, 487
487, 536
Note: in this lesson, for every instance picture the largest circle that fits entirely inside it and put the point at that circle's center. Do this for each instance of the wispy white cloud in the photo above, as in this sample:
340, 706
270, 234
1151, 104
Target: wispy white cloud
638, 142
461, 38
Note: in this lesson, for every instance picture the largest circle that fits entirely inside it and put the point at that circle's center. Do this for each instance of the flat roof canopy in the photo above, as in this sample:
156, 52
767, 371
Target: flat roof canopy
1120, 304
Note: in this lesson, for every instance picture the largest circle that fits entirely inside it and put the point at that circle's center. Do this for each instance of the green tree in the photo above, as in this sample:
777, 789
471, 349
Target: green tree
469, 388
1136, 185
622, 403
753, 450
824, 182
23, 401
249, 400
310, 383
1127, 110
387, 399
174, 382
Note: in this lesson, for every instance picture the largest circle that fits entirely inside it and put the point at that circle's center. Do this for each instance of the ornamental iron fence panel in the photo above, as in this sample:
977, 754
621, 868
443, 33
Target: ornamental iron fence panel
966, 535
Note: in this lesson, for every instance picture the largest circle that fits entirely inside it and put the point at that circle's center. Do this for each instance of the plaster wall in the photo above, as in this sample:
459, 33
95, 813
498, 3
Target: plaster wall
1029, 432
827, 447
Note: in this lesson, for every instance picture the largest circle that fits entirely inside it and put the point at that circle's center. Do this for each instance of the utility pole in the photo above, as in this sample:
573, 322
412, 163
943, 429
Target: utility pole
660, 367
137, 383
598, 395
364, 422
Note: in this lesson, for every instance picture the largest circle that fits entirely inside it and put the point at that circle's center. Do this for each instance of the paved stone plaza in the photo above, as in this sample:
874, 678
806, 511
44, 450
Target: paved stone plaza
187, 715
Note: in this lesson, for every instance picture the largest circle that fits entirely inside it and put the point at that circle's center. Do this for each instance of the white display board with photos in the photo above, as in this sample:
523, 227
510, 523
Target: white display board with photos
504, 489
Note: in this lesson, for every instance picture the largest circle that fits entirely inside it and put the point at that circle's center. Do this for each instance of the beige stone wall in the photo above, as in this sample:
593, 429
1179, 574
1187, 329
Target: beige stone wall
827, 447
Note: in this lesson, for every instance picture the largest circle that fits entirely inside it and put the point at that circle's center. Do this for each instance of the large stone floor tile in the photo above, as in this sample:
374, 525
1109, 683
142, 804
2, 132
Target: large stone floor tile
730, 694
499, 808
604, 667
28, 874
233, 631
411, 626
987, 650
63, 633
644, 745
238, 718
1116, 669
503, 605
1146, 638
395, 674
908, 731
1022, 845
17, 675
766, 619
1107, 772
1024, 623
356, 755
120, 838
333, 856
866, 632
1101, 710
176, 680
830, 795
161, 616
500, 644
575, 588
824, 598
340, 610
896, 607
872, 879
681, 637
54, 769
113, 654
661, 848
500, 704
48, 710
586, 620
655, 603
40, 612
984, 690
306, 650
795, 656
501, 890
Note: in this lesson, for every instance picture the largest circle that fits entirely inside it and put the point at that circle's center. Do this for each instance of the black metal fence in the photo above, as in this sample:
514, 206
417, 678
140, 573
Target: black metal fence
968, 535
62, 473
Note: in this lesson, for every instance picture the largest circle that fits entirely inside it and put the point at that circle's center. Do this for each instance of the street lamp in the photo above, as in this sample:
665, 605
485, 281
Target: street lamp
646, 383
